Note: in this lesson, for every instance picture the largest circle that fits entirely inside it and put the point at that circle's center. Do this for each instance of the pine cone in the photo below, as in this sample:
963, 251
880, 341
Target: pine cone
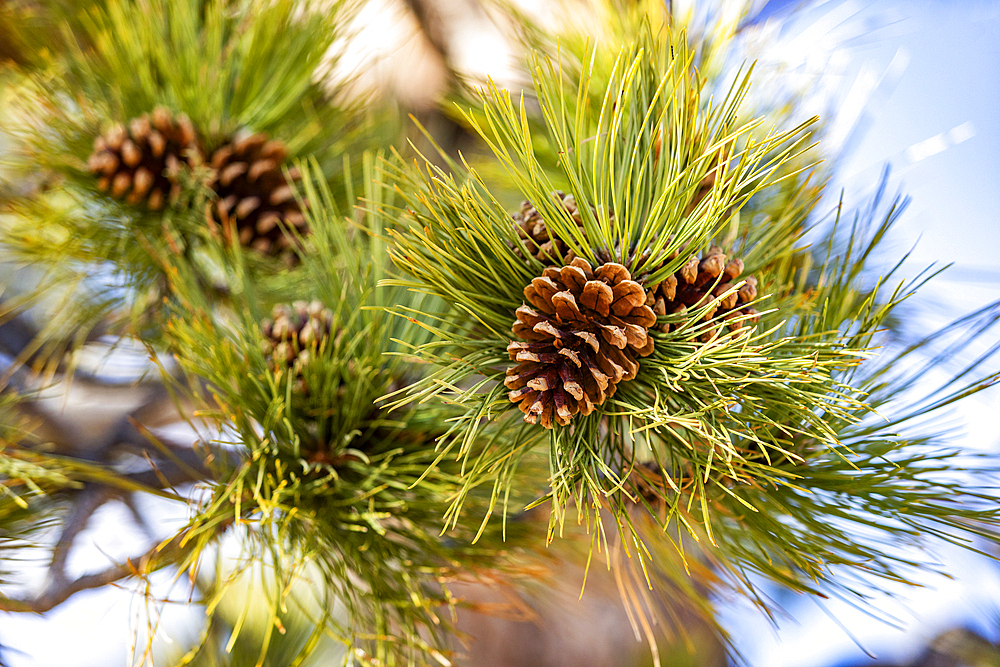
646, 480
717, 168
580, 338
699, 282
142, 162
535, 235
293, 335
253, 192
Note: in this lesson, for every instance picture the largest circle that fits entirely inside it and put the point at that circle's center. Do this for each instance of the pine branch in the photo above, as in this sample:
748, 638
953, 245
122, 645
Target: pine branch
428, 17
758, 441
327, 477
177, 465
141, 565
85, 504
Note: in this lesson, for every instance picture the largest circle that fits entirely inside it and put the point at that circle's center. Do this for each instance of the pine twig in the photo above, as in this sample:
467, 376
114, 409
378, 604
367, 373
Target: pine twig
138, 566
428, 17
87, 502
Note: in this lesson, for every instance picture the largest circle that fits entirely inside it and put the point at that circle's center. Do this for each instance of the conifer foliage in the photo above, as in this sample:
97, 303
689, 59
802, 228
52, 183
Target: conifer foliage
688, 374
377, 352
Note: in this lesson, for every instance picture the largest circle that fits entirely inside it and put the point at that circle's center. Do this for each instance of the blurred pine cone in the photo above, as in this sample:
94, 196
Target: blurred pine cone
647, 480
254, 194
579, 340
717, 167
698, 283
142, 162
293, 335
658, 486
535, 235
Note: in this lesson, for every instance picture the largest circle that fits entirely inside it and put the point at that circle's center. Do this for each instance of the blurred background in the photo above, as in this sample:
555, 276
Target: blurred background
912, 86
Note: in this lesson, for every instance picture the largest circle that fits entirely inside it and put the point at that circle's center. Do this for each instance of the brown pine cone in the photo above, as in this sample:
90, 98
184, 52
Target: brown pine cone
580, 337
142, 162
701, 281
646, 481
254, 194
293, 334
658, 487
535, 235
717, 168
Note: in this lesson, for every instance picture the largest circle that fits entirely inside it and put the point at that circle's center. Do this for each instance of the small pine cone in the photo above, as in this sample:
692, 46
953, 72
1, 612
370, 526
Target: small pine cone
647, 481
535, 236
701, 281
254, 194
657, 486
141, 163
717, 169
580, 337
293, 334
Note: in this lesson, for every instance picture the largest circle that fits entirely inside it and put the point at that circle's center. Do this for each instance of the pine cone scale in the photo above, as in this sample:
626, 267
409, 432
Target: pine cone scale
566, 306
155, 200
120, 185
281, 195
266, 223
157, 143
613, 336
231, 172
143, 182
259, 168
598, 297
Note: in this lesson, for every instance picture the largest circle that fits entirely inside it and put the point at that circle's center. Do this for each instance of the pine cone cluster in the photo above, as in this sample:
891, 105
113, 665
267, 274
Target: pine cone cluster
717, 169
699, 282
141, 163
293, 334
580, 337
535, 235
254, 194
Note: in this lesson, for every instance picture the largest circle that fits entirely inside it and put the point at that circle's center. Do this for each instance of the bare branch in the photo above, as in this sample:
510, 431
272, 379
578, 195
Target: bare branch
139, 566
428, 16
84, 506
